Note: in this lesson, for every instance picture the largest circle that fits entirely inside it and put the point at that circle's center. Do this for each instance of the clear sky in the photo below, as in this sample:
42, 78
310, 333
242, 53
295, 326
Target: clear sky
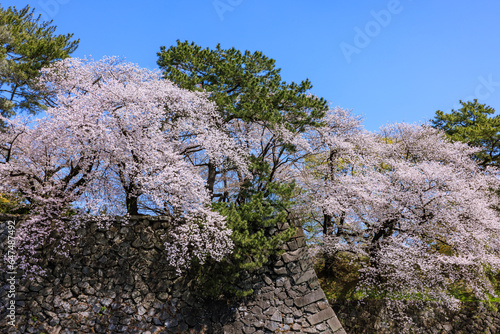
387, 60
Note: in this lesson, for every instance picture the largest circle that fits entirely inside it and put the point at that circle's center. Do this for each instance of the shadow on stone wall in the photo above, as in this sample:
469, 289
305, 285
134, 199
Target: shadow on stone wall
372, 316
119, 282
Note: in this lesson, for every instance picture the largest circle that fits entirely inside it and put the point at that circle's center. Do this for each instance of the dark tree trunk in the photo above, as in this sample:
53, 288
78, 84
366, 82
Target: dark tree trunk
212, 173
327, 224
131, 202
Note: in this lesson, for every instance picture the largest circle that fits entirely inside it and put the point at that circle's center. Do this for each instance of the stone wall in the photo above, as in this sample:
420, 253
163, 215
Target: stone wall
119, 282
372, 316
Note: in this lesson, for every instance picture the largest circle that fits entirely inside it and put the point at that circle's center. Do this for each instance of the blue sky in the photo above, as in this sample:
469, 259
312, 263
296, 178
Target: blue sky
387, 60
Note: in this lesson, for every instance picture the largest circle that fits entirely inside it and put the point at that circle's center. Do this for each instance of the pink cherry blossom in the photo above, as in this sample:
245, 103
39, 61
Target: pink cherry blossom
414, 204
116, 135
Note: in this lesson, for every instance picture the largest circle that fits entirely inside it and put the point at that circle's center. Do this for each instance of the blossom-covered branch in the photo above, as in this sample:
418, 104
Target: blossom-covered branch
114, 143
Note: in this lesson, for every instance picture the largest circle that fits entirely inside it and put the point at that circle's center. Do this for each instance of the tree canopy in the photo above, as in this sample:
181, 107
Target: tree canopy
475, 124
220, 143
251, 98
414, 209
112, 143
263, 114
27, 45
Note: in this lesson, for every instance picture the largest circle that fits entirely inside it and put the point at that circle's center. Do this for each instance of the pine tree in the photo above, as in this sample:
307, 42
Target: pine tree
476, 125
246, 87
263, 114
27, 45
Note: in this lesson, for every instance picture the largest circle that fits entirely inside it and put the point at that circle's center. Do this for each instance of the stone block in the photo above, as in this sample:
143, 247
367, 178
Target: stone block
312, 308
310, 298
276, 317
293, 256
334, 324
301, 242
304, 277
321, 316
271, 325
280, 282
299, 234
292, 245
280, 271
283, 226
270, 311
293, 268
279, 264
305, 264
323, 304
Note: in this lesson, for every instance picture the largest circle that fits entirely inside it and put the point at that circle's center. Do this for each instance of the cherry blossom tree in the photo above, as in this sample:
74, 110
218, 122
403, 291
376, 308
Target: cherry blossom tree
413, 207
256, 104
117, 140
264, 114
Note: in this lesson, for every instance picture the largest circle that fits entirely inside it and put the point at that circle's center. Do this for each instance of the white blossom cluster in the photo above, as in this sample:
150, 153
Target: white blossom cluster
416, 205
115, 131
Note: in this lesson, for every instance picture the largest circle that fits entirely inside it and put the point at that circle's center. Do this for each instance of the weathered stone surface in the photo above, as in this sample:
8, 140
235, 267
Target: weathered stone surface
272, 325
276, 317
302, 277
334, 324
293, 256
119, 282
374, 316
321, 316
310, 298
280, 271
